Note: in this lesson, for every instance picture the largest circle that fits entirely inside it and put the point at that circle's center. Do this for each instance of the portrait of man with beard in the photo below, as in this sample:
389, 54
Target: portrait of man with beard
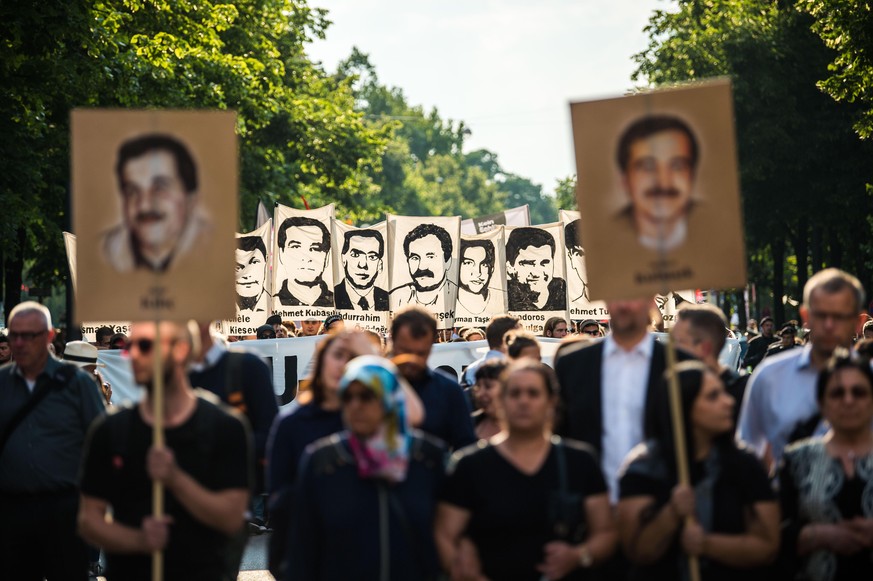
362, 258
251, 275
428, 250
304, 246
476, 269
657, 156
162, 220
530, 268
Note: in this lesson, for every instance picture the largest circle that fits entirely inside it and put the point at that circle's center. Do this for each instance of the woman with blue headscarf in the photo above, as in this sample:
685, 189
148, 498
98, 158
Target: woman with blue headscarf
365, 497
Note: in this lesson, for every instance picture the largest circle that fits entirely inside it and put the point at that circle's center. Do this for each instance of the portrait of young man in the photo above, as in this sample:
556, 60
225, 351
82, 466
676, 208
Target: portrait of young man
362, 257
161, 219
251, 276
304, 247
428, 251
576, 260
530, 267
477, 262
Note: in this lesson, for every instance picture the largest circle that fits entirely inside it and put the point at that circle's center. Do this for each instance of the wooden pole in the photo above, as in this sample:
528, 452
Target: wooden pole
679, 439
157, 442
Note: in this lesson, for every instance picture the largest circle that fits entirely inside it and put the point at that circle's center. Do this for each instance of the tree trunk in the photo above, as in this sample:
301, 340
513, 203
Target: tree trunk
13, 272
801, 252
777, 247
817, 251
741, 309
835, 257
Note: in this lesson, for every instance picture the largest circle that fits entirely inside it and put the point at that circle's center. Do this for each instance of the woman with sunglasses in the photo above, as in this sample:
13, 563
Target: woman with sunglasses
734, 531
827, 483
364, 499
507, 509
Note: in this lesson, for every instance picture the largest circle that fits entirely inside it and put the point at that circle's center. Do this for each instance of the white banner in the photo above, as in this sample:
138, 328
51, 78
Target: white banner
481, 278
359, 257
423, 269
578, 299
519, 216
302, 272
253, 281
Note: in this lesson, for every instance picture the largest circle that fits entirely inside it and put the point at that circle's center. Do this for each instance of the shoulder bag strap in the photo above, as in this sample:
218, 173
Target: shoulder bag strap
65, 373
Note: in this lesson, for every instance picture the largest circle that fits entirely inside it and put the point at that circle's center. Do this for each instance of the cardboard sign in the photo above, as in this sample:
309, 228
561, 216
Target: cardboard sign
254, 300
481, 278
155, 207
658, 191
361, 292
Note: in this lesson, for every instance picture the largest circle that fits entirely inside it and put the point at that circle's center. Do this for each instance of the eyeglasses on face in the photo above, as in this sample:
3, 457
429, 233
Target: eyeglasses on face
144, 346
25, 335
856, 391
365, 396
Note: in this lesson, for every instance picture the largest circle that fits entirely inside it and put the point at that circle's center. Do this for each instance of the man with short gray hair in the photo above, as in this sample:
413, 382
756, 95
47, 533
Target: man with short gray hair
45, 410
780, 403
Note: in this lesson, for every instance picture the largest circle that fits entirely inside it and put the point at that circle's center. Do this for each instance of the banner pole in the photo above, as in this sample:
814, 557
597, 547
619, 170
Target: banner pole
157, 442
679, 440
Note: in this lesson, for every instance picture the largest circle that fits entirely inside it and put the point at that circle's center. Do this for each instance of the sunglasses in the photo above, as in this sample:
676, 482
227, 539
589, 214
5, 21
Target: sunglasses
143, 345
857, 392
363, 396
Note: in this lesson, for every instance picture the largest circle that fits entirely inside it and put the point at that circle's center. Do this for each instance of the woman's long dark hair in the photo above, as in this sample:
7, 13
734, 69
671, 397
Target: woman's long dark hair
316, 386
690, 375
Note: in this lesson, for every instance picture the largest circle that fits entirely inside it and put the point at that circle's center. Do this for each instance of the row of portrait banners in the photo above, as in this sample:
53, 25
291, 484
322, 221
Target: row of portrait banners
155, 191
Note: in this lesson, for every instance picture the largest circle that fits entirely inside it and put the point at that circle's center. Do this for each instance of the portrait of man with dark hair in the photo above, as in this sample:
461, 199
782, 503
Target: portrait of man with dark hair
428, 250
475, 274
576, 259
658, 156
251, 275
362, 259
304, 246
530, 266
161, 218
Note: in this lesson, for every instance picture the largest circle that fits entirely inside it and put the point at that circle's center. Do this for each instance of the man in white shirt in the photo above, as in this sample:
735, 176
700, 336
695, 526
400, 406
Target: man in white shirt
780, 405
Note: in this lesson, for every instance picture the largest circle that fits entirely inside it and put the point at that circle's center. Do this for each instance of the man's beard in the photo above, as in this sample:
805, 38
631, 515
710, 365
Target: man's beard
168, 376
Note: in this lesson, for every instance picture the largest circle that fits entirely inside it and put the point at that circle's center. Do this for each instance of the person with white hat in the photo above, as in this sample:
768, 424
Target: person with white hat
84, 355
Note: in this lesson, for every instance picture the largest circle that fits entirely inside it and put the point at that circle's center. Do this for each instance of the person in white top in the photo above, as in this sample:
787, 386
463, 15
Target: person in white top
780, 404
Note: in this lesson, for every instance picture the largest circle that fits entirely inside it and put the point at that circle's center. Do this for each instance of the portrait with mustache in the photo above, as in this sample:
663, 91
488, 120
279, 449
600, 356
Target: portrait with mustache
658, 156
428, 249
161, 216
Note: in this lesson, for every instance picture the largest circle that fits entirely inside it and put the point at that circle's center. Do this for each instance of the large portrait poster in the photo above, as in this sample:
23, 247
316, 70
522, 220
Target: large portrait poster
481, 278
536, 286
658, 191
361, 291
578, 296
254, 300
302, 271
423, 264
155, 208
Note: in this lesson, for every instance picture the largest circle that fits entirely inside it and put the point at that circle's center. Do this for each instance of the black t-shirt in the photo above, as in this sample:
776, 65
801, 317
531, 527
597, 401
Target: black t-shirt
213, 447
509, 521
740, 485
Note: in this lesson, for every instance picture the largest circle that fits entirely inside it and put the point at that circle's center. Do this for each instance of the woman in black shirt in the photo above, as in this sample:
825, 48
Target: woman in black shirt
499, 514
735, 527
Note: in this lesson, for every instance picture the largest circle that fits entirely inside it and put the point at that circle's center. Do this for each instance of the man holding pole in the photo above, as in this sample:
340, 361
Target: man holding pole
205, 467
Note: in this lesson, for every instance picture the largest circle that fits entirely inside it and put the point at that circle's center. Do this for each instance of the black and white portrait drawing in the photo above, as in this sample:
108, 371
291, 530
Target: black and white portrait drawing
362, 257
481, 276
533, 274
302, 264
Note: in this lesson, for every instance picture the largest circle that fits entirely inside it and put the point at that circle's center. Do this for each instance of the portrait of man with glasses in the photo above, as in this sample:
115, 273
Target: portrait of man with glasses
362, 255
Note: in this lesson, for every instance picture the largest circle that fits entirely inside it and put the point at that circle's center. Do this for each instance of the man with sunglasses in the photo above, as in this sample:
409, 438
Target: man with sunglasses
205, 468
780, 403
40, 451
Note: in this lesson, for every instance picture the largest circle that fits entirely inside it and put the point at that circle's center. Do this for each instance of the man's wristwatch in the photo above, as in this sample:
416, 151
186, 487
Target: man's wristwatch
585, 558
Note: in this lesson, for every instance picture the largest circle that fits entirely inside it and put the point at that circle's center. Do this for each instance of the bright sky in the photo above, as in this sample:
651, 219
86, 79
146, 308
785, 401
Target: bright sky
507, 68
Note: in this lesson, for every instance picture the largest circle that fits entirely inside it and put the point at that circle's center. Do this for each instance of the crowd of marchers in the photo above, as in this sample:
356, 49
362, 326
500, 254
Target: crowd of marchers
383, 468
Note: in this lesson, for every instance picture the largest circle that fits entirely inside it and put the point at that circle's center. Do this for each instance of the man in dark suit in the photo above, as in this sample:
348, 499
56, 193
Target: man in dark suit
362, 255
607, 386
